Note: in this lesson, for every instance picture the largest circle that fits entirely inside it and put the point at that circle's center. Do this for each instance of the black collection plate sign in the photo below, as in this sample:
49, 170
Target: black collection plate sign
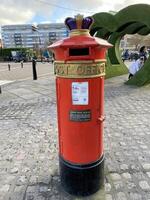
80, 115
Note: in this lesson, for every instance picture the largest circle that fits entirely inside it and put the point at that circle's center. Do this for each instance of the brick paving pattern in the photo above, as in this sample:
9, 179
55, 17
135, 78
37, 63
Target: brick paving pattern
29, 146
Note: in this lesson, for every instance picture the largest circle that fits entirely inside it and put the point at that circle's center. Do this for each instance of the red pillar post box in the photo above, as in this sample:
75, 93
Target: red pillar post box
80, 70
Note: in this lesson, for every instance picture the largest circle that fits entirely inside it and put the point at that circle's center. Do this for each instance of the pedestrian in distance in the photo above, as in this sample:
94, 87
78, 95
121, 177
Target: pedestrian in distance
143, 53
22, 64
136, 65
8, 66
125, 55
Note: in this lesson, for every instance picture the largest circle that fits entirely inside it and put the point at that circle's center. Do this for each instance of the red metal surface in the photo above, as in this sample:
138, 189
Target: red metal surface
80, 142
97, 48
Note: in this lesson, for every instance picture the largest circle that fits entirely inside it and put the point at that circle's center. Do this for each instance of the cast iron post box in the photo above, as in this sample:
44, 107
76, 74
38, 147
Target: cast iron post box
80, 69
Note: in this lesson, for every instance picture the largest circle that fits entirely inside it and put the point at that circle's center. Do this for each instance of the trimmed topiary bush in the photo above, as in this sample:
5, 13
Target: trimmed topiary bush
130, 20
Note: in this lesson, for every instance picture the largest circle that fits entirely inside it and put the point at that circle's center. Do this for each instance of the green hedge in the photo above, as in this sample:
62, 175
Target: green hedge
130, 20
115, 70
7, 51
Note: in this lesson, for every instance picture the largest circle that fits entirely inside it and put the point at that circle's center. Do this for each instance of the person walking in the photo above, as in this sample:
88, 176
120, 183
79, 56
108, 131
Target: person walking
135, 66
125, 55
143, 53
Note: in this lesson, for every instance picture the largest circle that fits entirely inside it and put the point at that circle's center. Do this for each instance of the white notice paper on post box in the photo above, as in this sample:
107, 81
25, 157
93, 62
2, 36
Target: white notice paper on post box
80, 93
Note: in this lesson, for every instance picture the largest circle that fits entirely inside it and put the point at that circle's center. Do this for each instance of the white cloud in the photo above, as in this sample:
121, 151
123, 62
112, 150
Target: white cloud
102, 5
11, 15
46, 22
22, 11
89, 7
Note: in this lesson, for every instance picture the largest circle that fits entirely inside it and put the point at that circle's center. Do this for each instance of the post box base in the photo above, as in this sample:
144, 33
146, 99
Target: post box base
82, 180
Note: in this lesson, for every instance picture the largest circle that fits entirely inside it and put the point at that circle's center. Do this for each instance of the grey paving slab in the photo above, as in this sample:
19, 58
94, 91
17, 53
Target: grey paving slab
29, 146
18, 73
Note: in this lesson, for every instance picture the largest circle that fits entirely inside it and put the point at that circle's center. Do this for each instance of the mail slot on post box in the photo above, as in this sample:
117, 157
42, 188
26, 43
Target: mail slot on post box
80, 69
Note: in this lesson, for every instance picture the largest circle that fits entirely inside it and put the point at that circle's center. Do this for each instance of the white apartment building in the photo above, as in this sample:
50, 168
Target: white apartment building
14, 36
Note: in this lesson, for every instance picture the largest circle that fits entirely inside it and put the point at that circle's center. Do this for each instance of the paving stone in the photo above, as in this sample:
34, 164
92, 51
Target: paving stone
148, 173
31, 193
131, 185
135, 196
144, 185
109, 197
29, 164
14, 170
115, 176
25, 170
107, 187
30, 197
121, 196
33, 180
44, 179
9, 179
118, 185
146, 166
22, 180
126, 175
143, 146
43, 189
18, 193
124, 167
4, 188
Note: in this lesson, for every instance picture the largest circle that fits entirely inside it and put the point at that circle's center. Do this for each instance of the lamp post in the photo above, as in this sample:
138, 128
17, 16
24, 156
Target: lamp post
35, 29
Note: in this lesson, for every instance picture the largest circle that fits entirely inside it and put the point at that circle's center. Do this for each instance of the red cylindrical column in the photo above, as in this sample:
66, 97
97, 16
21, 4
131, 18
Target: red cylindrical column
80, 125
80, 70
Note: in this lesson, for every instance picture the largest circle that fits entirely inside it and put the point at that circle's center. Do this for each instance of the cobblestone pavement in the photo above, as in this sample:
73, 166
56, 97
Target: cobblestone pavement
29, 146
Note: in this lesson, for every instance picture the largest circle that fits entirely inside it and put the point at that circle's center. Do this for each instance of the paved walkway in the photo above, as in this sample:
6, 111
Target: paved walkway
29, 146
18, 73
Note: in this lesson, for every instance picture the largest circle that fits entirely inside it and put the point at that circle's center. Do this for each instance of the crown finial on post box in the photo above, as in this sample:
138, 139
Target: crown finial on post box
79, 25
79, 19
